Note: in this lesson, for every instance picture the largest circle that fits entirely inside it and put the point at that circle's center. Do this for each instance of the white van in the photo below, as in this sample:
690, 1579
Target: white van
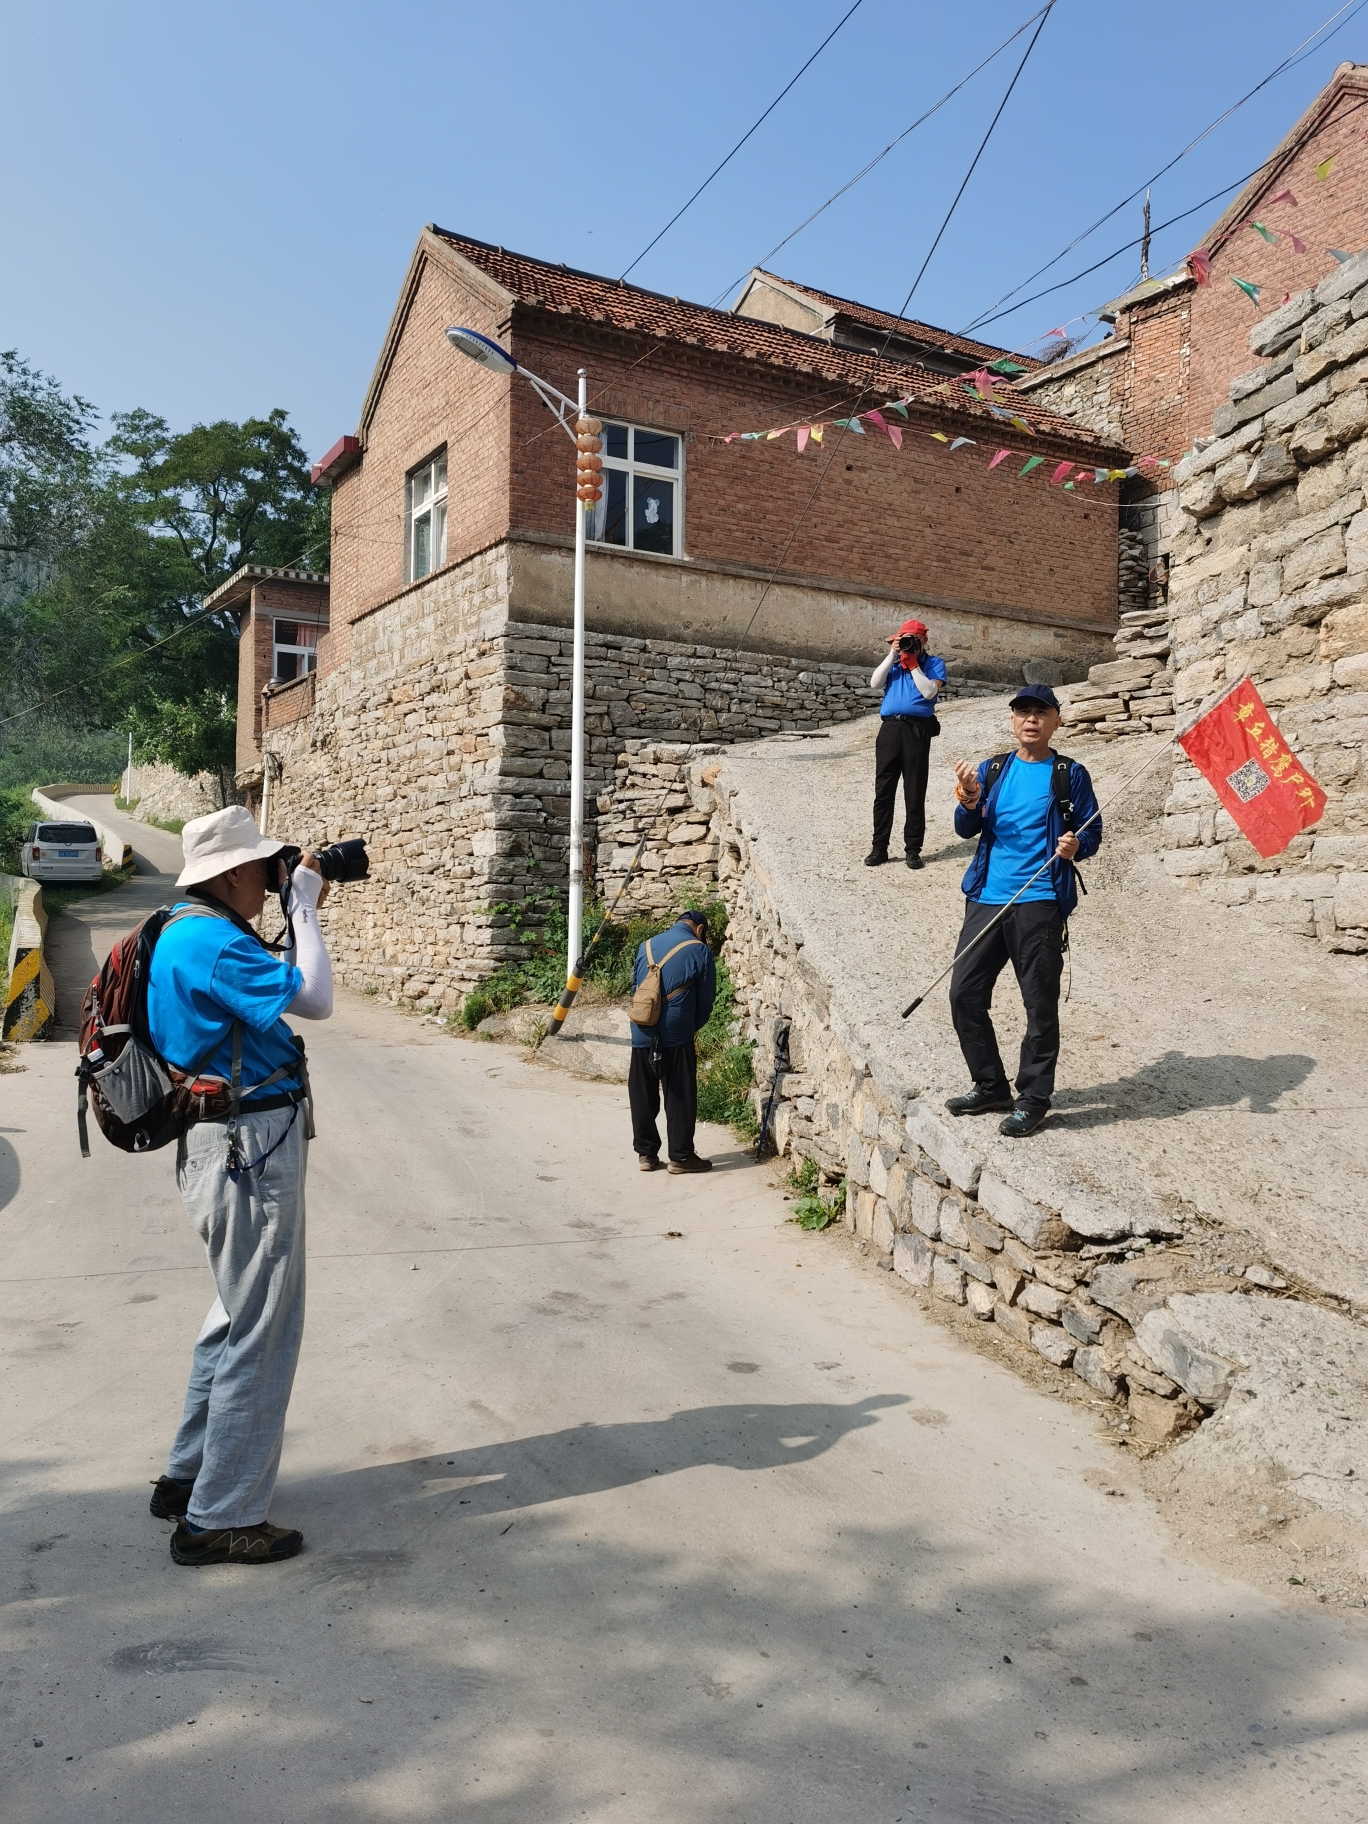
61, 853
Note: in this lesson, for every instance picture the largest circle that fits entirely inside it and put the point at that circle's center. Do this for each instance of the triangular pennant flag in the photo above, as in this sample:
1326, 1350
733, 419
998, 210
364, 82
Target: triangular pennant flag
877, 418
1005, 367
1060, 472
751, 436
961, 442
1298, 245
855, 425
1259, 228
1116, 474
804, 431
817, 430
894, 435
1001, 456
940, 436
771, 435
1323, 169
1199, 264
1067, 486
730, 435
895, 405
1021, 425
1056, 332
1250, 290
1129, 472
1101, 474
1337, 253
1283, 196
1032, 462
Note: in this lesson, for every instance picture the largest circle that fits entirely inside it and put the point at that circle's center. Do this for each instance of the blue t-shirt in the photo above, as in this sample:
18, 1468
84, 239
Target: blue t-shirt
205, 974
901, 696
1020, 844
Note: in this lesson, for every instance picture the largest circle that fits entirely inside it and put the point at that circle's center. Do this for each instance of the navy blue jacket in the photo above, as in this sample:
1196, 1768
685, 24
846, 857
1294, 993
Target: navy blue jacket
979, 822
689, 982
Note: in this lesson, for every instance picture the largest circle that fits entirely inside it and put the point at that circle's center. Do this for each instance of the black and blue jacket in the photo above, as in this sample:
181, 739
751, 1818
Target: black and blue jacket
688, 982
979, 822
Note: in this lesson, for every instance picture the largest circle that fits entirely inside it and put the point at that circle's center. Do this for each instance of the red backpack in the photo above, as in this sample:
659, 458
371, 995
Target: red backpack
140, 1102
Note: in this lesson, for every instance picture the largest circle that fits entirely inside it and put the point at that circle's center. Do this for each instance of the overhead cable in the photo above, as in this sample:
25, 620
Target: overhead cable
741, 142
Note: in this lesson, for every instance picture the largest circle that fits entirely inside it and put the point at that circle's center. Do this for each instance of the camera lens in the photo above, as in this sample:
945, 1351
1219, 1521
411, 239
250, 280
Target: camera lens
344, 860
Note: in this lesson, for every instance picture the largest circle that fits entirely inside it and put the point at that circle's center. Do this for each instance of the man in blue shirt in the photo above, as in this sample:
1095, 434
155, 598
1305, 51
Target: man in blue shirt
909, 677
663, 1055
215, 998
1022, 827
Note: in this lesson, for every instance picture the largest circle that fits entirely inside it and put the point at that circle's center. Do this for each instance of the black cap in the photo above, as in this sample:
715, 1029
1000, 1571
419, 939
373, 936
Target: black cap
1039, 694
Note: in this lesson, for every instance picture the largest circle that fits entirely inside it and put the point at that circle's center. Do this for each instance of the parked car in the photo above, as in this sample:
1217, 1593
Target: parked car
60, 853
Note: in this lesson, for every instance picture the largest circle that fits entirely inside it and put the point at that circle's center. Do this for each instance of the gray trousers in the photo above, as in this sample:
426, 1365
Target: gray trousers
243, 1366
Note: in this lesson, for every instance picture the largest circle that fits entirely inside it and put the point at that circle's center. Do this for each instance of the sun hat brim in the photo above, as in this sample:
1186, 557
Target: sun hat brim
207, 867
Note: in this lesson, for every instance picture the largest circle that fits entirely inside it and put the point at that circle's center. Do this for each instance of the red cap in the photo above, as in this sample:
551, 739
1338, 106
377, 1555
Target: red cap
917, 627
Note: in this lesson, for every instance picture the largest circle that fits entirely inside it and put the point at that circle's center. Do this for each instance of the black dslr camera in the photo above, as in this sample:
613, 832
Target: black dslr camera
339, 861
908, 642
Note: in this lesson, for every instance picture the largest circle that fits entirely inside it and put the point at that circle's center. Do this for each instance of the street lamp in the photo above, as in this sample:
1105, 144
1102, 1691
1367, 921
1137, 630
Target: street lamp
583, 432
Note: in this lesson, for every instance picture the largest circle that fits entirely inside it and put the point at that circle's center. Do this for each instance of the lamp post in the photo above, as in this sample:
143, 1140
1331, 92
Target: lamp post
582, 431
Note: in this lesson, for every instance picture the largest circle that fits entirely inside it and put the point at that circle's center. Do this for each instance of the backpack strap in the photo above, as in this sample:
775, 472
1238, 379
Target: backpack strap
1061, 778
675, 952
995, 769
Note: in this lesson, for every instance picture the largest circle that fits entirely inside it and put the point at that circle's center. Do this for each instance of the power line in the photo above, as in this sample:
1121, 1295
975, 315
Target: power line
836, 441
741, 142
1351, 7
879, 157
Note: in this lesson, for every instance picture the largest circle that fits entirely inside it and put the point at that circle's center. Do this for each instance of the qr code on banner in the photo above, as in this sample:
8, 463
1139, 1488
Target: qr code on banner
1248, 781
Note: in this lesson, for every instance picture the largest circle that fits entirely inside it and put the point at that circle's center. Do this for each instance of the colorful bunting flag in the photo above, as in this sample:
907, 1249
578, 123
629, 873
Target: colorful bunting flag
1259, 228
1005, 367
877, 418
1338, 253
961, 443
771, 435
1032, 462
855, 425
1057, 332
1061, 472
1001, 456
817, 430
1298, 245
1323, 169
895, 405
1250, 290
895, 435
940, 436
1199, 264
1283, 196
804, 432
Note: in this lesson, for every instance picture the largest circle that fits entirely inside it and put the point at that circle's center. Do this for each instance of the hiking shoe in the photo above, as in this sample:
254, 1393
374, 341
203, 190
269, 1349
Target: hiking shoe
914, 860
648, 1162
692, 1164
980, 1101
264, 1544
876, 858
1022, 1121
169, 1499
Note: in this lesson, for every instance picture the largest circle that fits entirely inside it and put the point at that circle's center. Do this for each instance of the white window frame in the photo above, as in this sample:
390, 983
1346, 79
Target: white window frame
309, 654
632, 468
432, 507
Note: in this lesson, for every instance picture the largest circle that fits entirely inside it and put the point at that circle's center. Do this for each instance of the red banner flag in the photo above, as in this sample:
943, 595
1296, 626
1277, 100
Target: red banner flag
1253, 771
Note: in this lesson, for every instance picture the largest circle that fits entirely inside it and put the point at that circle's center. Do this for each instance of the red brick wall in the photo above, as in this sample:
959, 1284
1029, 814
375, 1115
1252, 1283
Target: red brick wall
268, 600
918, 518
1157, 398
431, 396
1330, 213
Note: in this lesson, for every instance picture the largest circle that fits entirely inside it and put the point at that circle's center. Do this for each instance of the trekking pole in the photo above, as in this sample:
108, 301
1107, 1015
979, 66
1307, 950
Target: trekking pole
575, 980
1002, 912
780, 1065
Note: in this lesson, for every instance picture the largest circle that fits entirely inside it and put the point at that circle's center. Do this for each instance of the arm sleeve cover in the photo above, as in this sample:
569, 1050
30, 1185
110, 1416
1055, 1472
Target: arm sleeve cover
927, 686
315, 999
880, 674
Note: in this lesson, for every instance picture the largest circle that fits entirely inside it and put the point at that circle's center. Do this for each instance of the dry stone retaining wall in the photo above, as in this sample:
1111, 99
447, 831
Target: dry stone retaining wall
1269, 576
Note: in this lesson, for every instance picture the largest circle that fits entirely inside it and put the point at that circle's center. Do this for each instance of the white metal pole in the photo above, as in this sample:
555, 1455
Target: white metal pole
576, 910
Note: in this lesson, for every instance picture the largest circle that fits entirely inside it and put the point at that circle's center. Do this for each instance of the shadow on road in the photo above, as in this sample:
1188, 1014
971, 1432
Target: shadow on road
1177, 1083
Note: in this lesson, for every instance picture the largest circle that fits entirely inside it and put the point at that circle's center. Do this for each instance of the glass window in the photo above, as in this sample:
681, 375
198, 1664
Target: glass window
642, 473
426, 519
294, 650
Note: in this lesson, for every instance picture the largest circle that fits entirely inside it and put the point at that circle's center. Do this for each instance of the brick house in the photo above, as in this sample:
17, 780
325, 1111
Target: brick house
281, 616
727, 594
1161, 381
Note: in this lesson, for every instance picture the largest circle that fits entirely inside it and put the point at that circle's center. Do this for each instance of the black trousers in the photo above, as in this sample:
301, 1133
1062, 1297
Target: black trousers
676, 1073
1031, 938
902, 751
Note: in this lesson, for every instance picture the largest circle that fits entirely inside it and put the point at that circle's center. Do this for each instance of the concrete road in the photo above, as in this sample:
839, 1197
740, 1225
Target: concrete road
623, 1500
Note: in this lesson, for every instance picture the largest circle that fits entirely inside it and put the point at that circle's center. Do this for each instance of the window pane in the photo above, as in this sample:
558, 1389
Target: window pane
310, 661
608, 523
653, 515
439, 475
304, 636
422, 545
439, 535
422, 487
285, 634
654, 447
615, 441
286, 665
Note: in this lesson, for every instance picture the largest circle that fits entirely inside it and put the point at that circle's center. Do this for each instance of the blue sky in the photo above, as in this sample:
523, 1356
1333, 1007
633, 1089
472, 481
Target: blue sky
208, 211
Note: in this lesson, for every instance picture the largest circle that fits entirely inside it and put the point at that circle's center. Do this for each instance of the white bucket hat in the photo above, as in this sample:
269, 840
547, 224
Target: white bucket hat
222, 840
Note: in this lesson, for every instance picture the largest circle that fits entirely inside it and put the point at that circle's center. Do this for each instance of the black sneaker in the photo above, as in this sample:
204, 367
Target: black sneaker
265, 1544
914, 860
1022, 1121
980, 1101
170, 1500
876, 858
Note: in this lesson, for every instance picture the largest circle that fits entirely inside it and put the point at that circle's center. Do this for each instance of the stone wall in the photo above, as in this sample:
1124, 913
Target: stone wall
1269, 576
1089, 387
164, 794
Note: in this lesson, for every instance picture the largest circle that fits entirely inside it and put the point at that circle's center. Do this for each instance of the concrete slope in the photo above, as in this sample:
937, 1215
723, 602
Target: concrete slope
1215, 1060
624, 1500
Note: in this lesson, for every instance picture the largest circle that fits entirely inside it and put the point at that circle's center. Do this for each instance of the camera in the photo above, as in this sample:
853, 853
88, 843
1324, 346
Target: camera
339, 861
908, 642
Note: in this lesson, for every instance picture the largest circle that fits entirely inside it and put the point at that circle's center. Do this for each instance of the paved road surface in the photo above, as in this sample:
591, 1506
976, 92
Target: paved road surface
602, 1523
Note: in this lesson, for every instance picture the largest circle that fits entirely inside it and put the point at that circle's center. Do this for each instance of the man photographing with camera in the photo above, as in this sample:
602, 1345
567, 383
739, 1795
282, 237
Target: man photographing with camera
215, 1000
910, 678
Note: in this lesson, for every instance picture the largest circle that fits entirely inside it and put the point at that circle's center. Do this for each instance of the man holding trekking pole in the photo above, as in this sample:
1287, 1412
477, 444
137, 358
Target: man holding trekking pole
1031, 812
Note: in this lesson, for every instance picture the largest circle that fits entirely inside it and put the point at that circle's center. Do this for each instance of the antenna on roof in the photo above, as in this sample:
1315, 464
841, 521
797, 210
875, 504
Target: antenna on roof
1145, 241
